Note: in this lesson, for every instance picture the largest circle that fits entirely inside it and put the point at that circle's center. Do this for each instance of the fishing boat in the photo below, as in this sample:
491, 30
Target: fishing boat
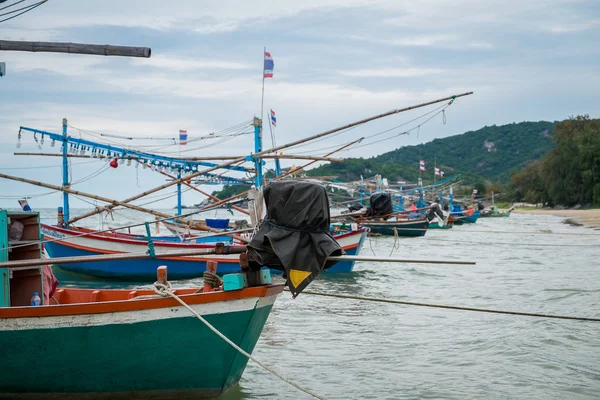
494, 212
405, 227
464, 216
350, 236
141, 344
86, 242
109, 344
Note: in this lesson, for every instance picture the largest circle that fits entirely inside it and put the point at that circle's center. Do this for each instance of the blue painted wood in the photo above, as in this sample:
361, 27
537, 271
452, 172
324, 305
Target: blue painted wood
4, 272
234, 282
65, 169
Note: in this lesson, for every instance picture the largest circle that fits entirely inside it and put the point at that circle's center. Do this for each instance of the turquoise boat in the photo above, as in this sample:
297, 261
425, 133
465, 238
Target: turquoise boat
435, 225
109, 344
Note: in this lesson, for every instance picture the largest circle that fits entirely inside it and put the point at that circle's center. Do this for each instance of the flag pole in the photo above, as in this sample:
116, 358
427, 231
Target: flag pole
258, 126
262, 100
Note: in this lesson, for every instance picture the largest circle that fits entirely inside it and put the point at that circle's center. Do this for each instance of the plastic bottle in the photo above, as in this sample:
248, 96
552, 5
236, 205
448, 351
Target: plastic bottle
35, 300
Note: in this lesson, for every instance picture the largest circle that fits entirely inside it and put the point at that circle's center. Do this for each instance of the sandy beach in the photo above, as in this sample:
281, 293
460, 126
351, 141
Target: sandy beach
589, 218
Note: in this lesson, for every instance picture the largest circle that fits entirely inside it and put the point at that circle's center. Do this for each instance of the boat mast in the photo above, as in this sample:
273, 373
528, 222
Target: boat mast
258, 181
65, 171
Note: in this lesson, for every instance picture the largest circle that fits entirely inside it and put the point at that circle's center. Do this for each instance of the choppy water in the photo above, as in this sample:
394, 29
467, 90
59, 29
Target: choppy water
348, 349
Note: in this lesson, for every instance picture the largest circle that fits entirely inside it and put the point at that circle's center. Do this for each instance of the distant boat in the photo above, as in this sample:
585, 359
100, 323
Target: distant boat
464, 216
406, 227
494, 213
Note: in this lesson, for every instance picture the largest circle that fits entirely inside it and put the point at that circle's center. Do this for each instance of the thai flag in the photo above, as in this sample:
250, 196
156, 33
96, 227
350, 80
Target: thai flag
422, 165
474, 191
268, 69
437, 171
273, 118
182, 137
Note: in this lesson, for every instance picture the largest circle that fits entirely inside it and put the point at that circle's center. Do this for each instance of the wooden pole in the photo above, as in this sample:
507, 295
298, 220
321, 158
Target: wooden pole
76, 48
116, 203
277, 148
283, 156
116, 257
200, 252
297, 157
400, 260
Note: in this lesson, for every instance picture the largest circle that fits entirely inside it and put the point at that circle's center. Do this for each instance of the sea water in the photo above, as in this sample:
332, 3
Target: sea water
350, 349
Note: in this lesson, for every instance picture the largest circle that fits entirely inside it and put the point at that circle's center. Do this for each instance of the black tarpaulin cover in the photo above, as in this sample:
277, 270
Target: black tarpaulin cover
294, 236
380, 205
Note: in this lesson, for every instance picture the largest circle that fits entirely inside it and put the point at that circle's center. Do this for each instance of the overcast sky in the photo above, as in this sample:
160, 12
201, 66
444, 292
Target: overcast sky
335, 62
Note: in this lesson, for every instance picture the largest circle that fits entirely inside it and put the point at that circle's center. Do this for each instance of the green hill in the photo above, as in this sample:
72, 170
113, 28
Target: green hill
490, 152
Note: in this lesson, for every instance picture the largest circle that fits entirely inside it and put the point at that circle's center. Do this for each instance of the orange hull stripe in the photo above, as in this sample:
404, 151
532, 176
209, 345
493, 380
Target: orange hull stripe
122, 305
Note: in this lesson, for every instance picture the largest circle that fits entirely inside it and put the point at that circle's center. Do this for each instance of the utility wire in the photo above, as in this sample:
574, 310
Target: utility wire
29, 8
11, 5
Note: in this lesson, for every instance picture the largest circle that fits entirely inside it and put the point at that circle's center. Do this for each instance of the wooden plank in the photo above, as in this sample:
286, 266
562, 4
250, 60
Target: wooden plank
76, 48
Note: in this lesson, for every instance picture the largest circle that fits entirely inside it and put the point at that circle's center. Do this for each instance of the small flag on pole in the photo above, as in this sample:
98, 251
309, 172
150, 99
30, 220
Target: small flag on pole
268, 69
422, 165
182, 137
437, 171
273, 118
474, 191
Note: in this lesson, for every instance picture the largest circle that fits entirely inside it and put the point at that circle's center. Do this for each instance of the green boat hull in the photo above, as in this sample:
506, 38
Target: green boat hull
164, 358
437, 226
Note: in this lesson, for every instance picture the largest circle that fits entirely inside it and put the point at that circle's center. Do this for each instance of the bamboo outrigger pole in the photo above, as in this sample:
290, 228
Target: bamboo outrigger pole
114, 203
277, 148
200, 252
76, 48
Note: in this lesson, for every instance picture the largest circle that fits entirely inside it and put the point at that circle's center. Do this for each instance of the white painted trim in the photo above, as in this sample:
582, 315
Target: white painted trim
131, 317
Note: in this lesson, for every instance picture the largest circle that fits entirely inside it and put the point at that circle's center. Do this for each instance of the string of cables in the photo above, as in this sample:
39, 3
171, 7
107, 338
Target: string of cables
48, 166
22, 9
436, 111
224, 135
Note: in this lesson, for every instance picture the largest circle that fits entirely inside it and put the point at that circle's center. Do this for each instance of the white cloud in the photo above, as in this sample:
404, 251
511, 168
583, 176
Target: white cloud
393, 72
577, 26
172, 62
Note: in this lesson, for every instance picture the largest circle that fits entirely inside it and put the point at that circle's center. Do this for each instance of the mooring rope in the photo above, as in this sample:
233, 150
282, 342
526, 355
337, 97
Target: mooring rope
485, 310
165, 290
396, 245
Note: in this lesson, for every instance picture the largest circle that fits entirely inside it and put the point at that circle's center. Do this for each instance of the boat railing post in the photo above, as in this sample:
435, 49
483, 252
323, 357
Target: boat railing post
210, 277
161, 275
179, 193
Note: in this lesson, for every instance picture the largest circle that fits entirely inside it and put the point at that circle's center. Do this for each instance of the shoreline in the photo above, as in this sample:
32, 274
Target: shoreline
587, 218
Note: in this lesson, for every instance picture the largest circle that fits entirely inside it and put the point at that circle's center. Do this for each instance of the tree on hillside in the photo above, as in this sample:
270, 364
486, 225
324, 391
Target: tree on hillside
572, 169
570, 173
